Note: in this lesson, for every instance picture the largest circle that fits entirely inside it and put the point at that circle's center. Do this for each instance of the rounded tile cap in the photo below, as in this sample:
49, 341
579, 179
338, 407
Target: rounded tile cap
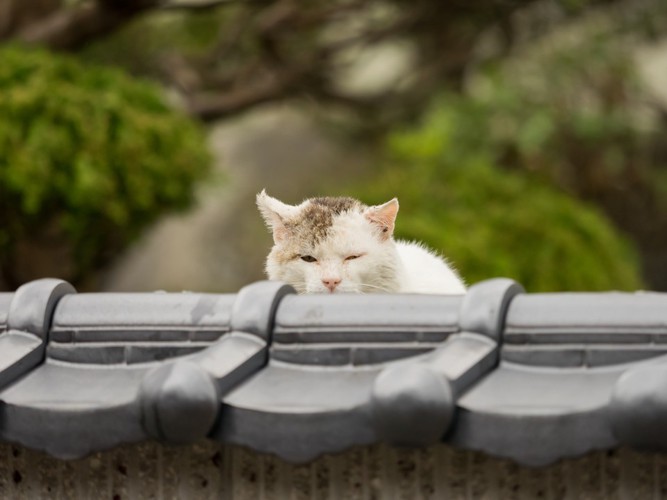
411, 405
179, 402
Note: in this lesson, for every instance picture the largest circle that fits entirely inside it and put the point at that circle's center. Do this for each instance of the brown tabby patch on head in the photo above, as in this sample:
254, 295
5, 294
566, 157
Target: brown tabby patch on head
337, 205
316, 218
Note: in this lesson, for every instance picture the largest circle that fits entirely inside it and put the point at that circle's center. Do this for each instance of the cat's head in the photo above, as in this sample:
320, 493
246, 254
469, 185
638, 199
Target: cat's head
331, 244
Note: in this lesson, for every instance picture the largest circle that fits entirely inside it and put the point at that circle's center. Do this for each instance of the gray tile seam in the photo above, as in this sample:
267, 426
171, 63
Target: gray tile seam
388, 328
601, 338
308, 346
140, 327
128, 354
142, 343
583, 328
564, 346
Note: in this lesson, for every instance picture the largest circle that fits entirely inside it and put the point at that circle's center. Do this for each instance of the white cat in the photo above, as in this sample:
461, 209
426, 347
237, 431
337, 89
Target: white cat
341, 245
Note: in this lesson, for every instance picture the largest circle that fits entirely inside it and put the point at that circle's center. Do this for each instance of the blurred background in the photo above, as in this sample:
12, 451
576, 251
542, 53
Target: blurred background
523, 138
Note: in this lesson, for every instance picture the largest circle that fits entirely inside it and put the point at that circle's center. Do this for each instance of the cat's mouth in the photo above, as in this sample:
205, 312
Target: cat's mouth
337, 290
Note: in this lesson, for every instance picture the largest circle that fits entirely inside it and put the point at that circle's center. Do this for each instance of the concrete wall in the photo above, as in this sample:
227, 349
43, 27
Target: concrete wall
209, 470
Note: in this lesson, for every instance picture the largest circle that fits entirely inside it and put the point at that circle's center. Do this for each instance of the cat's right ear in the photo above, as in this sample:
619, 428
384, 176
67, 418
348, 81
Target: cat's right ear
275, 213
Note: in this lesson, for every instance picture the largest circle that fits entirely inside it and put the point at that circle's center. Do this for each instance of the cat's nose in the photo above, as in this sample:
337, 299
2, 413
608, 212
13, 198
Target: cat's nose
331, 283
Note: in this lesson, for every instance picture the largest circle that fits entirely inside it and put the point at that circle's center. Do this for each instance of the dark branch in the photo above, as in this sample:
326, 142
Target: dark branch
209, 106
196, 6
71, 28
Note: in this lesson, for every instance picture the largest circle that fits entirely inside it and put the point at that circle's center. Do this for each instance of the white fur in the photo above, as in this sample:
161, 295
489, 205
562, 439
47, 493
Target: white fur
425, 272
383, 265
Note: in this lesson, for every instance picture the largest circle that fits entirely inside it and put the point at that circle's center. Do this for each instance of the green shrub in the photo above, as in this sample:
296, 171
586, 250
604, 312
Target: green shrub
492, 222
88, 158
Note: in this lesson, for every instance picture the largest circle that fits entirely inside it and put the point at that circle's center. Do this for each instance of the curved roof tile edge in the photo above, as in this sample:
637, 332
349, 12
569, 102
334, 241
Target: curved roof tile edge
587, 371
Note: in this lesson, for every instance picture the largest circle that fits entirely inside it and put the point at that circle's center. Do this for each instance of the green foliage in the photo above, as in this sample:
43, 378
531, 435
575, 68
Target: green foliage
576, 114
493, 222
484, 178
88, 154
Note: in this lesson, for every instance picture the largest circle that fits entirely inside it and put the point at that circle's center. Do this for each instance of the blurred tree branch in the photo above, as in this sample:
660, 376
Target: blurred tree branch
70, 27
195, 6
269, 50
273, 49
17, 13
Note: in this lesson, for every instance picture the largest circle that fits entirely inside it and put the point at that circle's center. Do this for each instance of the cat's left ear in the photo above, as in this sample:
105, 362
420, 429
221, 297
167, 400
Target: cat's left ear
275, 213
384, 217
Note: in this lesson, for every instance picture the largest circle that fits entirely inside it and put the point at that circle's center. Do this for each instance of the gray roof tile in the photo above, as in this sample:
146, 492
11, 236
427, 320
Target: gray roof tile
533, 377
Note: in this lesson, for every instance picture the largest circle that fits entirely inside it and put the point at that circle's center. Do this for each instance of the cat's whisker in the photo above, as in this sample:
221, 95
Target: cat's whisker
380, 288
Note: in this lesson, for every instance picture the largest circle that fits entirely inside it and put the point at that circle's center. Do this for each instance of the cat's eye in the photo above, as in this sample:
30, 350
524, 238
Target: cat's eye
352, 257
308, 258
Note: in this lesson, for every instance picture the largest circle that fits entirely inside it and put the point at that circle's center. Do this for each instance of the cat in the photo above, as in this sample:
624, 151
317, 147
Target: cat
339, 245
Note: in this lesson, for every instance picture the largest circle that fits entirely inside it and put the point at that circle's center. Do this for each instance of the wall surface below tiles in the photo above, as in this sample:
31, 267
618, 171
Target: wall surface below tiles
210, 470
